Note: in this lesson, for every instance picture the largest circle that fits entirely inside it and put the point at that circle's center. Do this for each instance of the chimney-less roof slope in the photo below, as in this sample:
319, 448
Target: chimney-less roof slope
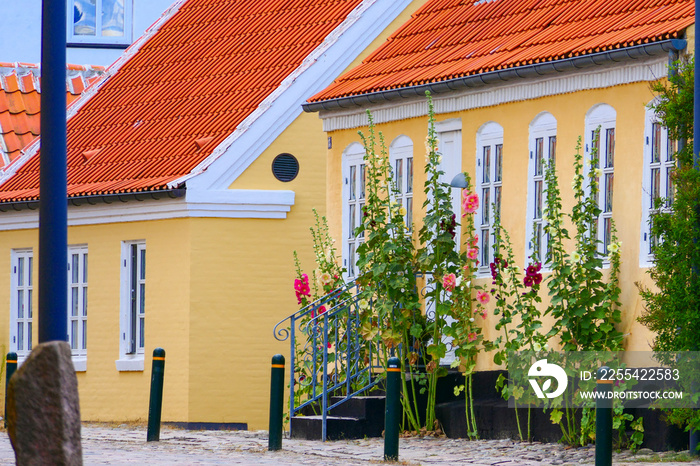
202, 73
450, 39
20, 103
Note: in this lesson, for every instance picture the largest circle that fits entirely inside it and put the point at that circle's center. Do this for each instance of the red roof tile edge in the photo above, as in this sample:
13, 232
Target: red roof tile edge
318, 102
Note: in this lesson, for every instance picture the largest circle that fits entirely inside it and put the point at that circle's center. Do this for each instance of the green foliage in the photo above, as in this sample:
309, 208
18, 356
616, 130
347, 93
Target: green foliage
671, 307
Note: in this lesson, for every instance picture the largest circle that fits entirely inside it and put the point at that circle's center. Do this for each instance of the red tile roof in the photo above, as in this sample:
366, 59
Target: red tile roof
19, 103
183, 92
448, 39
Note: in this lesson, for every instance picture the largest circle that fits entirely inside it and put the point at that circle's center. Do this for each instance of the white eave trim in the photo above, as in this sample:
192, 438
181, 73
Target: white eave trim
234, 203
318, 70
526, 89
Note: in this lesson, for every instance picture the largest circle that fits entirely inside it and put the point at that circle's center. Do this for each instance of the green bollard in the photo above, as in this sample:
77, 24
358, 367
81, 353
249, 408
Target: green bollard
155, 405
603, 419
392, 412
10, 368
276, 402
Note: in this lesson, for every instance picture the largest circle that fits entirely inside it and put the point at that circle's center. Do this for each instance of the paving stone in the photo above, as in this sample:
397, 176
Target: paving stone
127, 445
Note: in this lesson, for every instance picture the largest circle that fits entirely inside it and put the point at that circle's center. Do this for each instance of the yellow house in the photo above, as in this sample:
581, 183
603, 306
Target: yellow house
515, 83
192, 172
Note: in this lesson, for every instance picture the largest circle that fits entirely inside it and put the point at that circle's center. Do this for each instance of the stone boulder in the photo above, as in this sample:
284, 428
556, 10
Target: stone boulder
43, 410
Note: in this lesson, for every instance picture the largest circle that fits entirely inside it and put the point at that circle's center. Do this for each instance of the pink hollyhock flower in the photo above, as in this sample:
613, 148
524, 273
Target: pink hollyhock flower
471, 336
470, 202
475, 240
301, 287
482, 297
484, 315
472, 253
449, 281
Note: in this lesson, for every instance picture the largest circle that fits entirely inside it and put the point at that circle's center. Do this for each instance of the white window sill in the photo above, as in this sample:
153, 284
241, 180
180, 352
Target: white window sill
130, 363
80, 363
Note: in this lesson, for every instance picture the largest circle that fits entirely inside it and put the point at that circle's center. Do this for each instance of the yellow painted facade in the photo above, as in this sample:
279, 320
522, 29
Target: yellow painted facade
215, 288
569, 110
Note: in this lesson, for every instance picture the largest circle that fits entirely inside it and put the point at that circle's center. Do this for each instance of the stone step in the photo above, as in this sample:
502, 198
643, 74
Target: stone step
337, 428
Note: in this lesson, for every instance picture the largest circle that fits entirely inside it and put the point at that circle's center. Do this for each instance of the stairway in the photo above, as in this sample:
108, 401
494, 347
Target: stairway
358, 417
336, 359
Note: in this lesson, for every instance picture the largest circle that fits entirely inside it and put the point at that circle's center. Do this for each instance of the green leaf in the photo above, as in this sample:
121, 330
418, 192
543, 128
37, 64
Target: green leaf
556, 416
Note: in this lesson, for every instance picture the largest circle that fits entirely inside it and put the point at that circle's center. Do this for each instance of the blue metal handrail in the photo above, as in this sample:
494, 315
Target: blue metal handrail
348, 372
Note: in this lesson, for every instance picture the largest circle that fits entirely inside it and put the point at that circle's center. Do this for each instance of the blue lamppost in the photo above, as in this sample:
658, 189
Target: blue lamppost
53, 208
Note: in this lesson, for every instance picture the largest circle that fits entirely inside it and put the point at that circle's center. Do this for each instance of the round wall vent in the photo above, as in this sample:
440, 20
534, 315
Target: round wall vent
285, 167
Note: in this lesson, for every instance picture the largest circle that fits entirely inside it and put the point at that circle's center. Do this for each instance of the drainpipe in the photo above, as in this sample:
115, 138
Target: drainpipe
53, 230
694, 434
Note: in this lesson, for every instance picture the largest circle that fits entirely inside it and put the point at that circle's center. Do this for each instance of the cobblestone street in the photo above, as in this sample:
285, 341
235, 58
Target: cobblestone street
126, 445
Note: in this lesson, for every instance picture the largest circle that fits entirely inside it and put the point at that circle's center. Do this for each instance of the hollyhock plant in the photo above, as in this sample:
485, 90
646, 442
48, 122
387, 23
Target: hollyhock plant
325, 278
470, 202
301, 287
483, 297
449, 281
532, 275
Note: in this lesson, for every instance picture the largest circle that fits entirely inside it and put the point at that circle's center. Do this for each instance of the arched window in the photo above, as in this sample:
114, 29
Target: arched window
657, 182
600, 154
488, 185
353, 192
543, 144
401, 161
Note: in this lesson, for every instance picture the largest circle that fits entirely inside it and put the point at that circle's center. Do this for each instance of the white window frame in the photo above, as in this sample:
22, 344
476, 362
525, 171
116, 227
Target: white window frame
402, 169
603, 116
98, 39
21, 289
77, 305
655, 140
132, 325
543, 137
352, 162
489, 135
449, 133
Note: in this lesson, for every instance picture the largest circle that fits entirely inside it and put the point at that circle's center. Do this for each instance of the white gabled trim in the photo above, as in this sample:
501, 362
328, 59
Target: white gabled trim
274, 114
34, 147
525, 89
234, 203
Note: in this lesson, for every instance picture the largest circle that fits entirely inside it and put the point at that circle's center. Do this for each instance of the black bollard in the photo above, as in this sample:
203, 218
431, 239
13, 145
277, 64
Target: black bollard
392, 413
155, 405
603, 419
276, 402
10, 368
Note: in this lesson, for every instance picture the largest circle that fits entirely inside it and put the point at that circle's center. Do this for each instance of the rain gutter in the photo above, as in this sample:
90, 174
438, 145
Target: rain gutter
670, 46
99, 199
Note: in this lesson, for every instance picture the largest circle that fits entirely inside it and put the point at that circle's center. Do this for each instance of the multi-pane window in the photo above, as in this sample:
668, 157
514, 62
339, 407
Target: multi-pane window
77, 299
354, 191
604, 146
22, 314
100, 21
657, 184
133, 298
489, 183
543, 145
401, 160
600, 147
